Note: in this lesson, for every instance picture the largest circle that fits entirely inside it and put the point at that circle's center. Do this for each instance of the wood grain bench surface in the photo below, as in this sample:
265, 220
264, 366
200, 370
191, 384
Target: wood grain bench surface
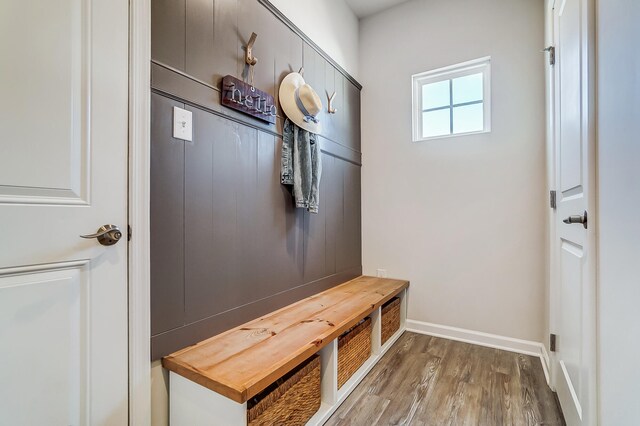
241, 362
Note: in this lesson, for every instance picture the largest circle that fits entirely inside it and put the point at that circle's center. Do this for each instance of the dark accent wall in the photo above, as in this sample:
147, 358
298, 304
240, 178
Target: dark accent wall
227, 243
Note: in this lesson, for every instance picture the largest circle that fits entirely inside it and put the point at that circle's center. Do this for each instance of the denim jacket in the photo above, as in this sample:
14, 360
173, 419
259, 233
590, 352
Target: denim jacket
301, 166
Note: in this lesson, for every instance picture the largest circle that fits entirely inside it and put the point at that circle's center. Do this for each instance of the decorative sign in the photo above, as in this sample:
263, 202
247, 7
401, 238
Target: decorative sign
245, 98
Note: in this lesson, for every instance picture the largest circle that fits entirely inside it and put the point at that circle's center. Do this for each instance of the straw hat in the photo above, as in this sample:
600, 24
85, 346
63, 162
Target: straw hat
300, 102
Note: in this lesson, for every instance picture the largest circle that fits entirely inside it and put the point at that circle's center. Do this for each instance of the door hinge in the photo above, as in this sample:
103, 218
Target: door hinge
552, 54
552, 199
552, 342
129, 232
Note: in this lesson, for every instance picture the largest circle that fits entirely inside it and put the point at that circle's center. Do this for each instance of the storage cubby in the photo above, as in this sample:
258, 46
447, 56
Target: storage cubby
390, 319
292, 400
354, 349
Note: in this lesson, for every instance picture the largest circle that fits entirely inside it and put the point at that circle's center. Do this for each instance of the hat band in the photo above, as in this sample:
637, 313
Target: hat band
307, 116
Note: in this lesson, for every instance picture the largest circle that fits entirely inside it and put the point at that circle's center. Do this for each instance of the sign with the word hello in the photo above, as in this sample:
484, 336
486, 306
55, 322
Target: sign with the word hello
247, 99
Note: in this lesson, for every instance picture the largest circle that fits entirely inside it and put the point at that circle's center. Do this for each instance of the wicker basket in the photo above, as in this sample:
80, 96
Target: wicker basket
390, 318
354, 348
291, 400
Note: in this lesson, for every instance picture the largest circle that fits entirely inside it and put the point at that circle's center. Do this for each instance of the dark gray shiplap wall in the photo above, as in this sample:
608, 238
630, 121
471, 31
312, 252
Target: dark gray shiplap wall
227, 244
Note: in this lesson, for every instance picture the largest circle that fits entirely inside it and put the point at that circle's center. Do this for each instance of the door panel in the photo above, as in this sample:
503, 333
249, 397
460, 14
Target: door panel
49, 105
63, 173
570, 98
47, 313
571, 294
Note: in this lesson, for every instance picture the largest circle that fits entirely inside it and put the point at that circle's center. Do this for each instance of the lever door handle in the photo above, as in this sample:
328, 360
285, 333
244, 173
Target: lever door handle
107, 235
577, 219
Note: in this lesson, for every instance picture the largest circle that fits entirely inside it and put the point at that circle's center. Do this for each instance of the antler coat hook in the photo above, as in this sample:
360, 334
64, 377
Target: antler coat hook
330, 107
248, 57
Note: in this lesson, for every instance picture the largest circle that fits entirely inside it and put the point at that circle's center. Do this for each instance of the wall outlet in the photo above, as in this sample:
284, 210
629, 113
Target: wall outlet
182, 124
382, 273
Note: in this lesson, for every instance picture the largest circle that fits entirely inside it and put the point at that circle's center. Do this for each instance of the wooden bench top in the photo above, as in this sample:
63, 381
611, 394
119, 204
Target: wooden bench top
241, 362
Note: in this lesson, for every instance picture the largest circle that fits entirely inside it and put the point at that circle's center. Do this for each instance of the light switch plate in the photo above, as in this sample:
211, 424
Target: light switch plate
182, 124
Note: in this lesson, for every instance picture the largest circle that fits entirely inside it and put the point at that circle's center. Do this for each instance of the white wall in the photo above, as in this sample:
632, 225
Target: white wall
331, 24
618, 107
462, 218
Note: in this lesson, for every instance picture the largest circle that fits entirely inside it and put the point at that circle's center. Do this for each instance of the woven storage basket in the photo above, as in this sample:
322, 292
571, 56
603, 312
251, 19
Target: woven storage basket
291, 400
390, 318
354, 348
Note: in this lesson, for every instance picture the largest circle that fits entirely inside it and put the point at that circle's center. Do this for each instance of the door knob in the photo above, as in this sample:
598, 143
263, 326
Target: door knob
107, 235
577, 219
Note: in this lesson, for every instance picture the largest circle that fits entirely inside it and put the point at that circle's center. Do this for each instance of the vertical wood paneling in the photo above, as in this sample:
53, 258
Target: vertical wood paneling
211, 39
340, 117
225, 39
329, 127
245, 171
314, 243
206, 221
288, 59
268, 240
167, 218
319, 74
253, 17
319, 87
226, 232
280, 237
199, 42
352, 136
331, 203
244, 240
168, 29
213, 246
348, 243
309, 61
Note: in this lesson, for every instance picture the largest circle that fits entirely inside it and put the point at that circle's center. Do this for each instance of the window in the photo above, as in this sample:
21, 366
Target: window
452, 101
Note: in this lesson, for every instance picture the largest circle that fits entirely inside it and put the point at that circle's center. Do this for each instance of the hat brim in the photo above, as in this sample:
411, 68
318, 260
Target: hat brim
288, 102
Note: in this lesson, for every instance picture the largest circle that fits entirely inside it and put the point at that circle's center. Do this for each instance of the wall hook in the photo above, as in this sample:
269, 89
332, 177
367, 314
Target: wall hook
248, 57
330, 108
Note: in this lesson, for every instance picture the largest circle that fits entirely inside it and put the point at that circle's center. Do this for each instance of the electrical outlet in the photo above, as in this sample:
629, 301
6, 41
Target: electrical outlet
382, 273
182, 124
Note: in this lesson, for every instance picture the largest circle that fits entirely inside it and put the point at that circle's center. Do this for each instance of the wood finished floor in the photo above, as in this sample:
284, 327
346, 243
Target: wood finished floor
425, 380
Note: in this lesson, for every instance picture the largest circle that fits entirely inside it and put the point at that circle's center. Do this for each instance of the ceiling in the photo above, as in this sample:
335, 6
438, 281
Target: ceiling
364, 8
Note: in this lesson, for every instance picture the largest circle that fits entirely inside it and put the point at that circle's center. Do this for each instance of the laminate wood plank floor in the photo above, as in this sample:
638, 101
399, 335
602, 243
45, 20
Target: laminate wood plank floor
424, 380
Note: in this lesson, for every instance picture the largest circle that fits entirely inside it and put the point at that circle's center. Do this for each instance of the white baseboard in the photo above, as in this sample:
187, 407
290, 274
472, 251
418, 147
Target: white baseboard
526, 347
546, 363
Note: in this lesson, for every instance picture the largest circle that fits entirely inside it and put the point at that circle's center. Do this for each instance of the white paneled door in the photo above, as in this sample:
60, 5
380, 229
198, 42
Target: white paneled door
63, 173
573, 286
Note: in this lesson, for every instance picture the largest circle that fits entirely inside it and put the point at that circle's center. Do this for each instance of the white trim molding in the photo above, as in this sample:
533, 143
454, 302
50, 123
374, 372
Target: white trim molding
450, 73
526, 347
139, 217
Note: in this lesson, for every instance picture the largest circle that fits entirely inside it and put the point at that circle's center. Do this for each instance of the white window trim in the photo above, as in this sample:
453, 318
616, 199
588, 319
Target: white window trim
449, 73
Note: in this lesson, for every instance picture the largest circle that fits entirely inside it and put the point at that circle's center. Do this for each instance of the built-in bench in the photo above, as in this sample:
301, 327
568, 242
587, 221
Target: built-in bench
211, 381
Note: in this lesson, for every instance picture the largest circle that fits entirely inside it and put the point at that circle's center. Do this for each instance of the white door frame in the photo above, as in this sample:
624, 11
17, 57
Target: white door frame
139, 217
551, 178
589, 126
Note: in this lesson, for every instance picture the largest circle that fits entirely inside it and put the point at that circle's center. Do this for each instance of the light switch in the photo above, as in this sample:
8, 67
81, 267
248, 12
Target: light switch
182, 124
